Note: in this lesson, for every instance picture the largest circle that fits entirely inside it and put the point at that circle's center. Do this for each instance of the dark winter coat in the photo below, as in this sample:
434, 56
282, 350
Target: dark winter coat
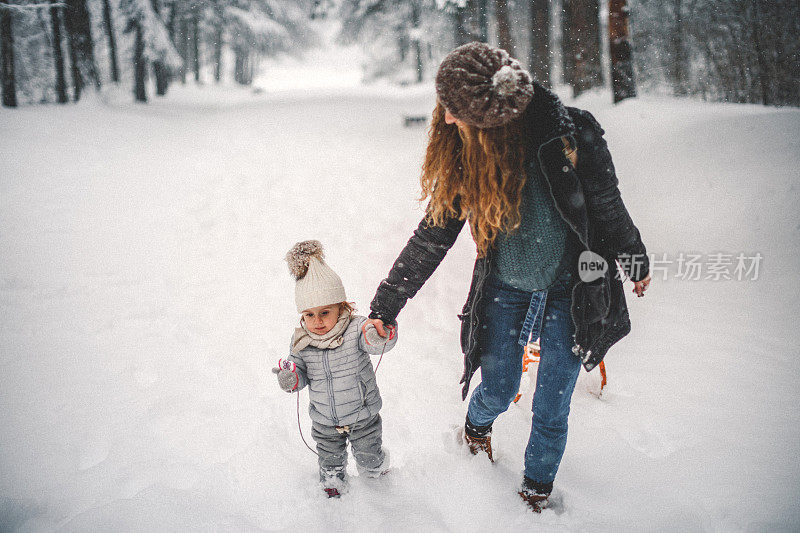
588, 200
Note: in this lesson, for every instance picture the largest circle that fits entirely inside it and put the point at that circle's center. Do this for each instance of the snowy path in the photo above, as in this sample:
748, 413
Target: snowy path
144, 298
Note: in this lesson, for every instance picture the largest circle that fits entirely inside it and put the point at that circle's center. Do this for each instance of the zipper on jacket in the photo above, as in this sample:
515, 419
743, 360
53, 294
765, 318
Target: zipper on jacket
548, 178
329, 377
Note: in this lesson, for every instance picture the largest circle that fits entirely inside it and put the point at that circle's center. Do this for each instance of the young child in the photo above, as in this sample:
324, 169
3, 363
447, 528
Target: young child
330, 353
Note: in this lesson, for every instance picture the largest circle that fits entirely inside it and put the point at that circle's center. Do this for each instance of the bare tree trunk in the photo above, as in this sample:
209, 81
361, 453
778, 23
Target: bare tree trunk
483, 20
402, 47
472, 20
252, 66
81, 46
783, 23
581, 41
622, 82
415, 25
218, 44
539, 52
460, 24
567, 51
237, 65
161, 74
139, 65
418, 54
679, 68
171, 23
503, 26
58, 54
182, 41
77, 81
159, 68
218, 56
112, 42
244, 68
763, 64
7, 77
195, 47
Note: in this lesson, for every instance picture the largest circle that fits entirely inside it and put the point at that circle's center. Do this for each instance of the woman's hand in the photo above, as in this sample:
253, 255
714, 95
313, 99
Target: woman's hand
378, 323
640, 286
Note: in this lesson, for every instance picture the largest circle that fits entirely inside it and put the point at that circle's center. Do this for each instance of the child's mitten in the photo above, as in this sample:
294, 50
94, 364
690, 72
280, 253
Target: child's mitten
287, 375
374, 338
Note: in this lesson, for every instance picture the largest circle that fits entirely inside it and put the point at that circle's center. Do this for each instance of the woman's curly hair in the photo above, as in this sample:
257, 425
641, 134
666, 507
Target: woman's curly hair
482, 168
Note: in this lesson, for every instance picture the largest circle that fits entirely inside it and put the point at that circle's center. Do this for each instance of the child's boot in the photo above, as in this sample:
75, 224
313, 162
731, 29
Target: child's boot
373, 471
333, 482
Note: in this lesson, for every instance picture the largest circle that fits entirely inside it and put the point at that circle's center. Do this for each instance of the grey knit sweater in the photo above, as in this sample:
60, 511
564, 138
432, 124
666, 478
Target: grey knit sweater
532, 257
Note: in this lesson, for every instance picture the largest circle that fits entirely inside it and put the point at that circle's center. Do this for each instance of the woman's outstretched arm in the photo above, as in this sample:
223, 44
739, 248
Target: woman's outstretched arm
415, 264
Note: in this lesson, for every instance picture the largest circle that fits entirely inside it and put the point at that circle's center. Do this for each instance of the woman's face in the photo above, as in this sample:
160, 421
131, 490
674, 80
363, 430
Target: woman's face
320, 320
450, 119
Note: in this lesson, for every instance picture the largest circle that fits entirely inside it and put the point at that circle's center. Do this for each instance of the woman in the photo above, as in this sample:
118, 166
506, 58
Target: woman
536, 183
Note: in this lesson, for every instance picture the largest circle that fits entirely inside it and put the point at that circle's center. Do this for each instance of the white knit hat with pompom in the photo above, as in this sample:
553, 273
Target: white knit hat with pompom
317, 284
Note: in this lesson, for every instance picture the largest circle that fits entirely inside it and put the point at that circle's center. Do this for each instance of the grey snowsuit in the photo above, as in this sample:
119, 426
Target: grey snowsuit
344, 401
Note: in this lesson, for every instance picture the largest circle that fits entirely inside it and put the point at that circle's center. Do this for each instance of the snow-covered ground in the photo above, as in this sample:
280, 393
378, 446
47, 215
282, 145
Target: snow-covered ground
144, 299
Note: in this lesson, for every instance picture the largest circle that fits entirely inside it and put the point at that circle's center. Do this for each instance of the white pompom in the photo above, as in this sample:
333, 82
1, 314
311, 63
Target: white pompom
504, 80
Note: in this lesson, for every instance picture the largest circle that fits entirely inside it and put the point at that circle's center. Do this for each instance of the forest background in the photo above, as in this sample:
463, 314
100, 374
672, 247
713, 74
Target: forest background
730, 51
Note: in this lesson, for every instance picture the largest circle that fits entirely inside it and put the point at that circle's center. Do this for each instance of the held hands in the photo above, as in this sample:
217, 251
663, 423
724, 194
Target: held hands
640, 286
375, 333
287, 375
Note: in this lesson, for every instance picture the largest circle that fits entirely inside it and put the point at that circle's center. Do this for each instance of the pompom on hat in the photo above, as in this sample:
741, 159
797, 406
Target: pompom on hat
483, 86
317, 284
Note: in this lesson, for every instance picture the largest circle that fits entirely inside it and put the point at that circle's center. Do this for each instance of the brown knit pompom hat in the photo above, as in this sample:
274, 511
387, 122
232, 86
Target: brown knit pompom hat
483, 86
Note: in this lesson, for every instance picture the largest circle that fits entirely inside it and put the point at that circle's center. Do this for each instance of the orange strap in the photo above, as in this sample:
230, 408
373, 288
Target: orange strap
530, 355
603, 380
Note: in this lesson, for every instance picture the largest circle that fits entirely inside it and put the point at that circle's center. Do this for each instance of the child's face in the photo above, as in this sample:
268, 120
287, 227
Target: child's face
320, 320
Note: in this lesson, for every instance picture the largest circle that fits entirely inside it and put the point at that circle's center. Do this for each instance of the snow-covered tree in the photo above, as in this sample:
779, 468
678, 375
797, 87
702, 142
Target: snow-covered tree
622, 83
7, 76
152, 42
469, 19
30, 63
539, 40
505, 40
108, 22
736, 51
58, 54
583, 68
404, 38
265, 27
78, 23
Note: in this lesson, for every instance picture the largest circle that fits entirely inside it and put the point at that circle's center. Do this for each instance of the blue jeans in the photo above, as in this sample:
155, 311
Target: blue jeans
512, 317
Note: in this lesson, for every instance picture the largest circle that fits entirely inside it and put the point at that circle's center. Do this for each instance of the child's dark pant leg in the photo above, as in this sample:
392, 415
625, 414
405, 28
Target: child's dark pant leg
332, 451
366, 440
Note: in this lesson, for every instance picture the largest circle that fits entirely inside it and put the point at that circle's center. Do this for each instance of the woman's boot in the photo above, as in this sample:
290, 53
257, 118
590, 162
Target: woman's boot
535, 494
478, 438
